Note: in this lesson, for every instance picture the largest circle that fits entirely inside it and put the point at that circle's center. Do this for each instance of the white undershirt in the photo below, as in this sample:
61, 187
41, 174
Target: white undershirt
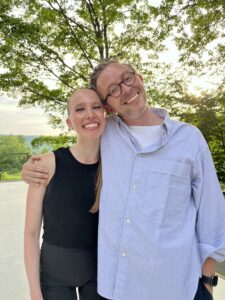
146, 135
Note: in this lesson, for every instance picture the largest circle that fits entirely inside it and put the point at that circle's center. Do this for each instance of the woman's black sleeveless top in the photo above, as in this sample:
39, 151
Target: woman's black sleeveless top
68, 199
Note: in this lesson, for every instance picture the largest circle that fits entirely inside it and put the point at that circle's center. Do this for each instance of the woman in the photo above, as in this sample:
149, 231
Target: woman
69, 250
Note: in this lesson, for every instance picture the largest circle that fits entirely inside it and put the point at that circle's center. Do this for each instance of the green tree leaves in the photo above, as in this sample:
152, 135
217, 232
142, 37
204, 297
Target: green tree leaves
52, 142
198, 29
13, 153
49, 47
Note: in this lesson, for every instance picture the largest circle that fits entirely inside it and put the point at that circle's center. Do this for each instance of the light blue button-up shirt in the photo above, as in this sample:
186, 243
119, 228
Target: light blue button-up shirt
162, 213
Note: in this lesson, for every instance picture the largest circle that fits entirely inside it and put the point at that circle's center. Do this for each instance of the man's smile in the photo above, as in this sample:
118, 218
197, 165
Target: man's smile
132, 99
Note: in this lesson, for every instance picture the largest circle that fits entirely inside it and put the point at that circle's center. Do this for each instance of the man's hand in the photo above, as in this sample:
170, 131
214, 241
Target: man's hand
208, 269
33, 173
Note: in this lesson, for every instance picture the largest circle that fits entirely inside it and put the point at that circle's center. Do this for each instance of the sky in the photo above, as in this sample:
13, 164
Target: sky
18, 121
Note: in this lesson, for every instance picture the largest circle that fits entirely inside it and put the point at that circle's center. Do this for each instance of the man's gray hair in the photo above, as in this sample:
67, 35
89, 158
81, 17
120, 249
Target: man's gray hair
101, 67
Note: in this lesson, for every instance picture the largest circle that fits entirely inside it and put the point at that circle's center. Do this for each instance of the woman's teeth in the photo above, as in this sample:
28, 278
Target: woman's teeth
90, 126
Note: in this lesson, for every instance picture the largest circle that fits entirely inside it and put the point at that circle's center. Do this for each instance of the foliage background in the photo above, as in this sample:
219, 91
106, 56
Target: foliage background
13, 153
49, 47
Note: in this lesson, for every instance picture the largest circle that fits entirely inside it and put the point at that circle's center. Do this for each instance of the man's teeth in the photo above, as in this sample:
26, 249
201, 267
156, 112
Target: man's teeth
133, 98
92, 125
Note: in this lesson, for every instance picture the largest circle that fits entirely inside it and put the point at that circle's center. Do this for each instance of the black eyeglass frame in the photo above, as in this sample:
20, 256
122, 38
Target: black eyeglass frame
104, 101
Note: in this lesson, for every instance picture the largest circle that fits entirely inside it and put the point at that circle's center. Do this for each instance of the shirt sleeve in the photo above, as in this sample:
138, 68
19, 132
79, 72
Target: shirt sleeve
210, 205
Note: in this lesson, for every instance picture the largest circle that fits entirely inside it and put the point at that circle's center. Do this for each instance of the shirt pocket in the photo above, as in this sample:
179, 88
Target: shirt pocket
167, 192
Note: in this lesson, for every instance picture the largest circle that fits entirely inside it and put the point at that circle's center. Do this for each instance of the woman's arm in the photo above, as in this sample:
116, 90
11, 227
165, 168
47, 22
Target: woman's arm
33, 223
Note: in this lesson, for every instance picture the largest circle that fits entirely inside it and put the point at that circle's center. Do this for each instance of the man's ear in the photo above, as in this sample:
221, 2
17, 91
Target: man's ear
107, 108
140, 76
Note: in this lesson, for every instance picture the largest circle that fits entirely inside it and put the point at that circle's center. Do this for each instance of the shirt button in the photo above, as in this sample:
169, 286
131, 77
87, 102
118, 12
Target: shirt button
127, 220
134, 186
124, 253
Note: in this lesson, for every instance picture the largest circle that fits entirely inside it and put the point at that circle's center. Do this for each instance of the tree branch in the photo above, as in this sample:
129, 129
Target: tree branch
47, 68
63, 62
105, 29
73, 33
96, 27
28, 88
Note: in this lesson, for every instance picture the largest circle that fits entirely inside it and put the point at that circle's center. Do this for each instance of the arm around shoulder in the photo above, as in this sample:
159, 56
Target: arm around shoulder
47, 163
34, 170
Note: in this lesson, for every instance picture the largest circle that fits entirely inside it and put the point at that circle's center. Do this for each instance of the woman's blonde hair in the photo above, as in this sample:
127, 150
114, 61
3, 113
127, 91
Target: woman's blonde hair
98, 187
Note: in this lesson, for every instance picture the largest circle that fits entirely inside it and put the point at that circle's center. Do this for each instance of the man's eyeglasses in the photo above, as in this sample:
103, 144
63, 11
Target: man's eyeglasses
115, 90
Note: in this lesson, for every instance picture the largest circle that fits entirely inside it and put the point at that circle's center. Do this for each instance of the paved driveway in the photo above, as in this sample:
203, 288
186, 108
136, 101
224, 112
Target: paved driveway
13, 284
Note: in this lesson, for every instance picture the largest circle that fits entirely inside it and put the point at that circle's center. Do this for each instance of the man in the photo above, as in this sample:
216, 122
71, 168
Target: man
162, 212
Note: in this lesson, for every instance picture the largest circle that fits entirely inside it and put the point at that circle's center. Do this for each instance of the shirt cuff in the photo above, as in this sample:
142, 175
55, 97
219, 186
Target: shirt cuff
218, 256
217, 253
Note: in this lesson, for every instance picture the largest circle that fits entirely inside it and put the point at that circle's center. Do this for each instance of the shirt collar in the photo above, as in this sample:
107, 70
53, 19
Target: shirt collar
162, 113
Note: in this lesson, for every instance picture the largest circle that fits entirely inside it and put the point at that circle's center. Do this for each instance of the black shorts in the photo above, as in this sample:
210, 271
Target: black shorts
202, 292
62, 270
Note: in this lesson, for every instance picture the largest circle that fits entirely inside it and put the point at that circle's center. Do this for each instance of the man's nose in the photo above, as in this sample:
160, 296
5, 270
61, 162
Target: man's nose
124, 88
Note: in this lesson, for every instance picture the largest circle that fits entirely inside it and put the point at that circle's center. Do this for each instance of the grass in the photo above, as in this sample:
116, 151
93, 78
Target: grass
5, 176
